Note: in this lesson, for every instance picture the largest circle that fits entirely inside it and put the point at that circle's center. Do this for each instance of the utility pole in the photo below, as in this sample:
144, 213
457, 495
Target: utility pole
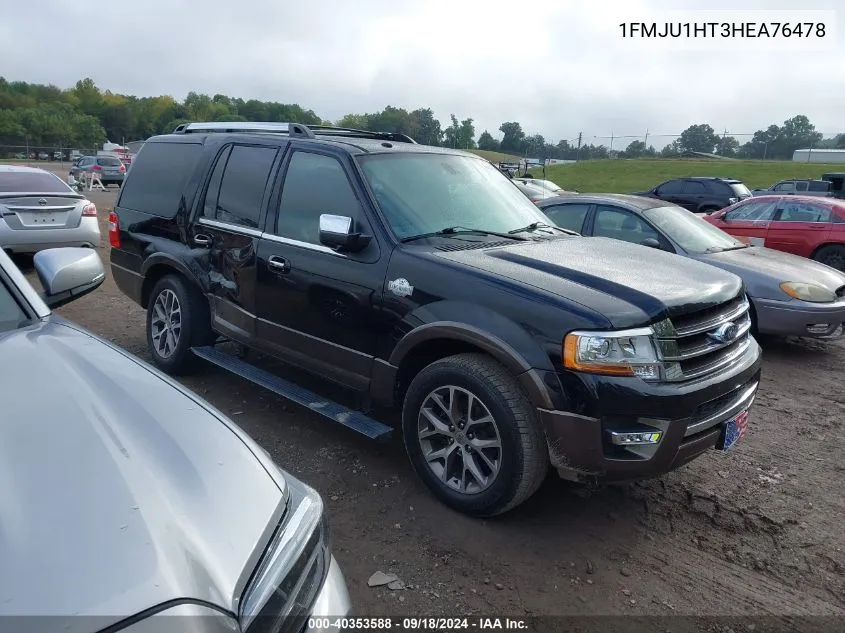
611, 140
645, 141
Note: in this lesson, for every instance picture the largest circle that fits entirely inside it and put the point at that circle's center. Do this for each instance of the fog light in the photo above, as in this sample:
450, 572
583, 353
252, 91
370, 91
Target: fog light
818, 328
635, 439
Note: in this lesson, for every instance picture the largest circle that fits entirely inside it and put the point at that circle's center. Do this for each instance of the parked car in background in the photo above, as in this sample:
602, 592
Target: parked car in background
837, 183
699, 194
75, 155
58, 155
533, 193
111, 169
791, 295
118, 470
807, 187
419, 279
43, 156
802, 225
548, 185
39, 210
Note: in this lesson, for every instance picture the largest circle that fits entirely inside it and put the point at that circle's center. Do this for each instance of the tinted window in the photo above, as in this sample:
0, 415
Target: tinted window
799, 212
108, 161
158, 176
568, 216
32, 182
621, 225
785, 186
801, 186
244, 181
314, 185
751, 211
673, 186
819, 185
209, 209
693, 186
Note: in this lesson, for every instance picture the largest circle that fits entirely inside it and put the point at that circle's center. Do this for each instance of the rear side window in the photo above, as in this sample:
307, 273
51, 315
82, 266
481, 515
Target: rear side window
156, 182
694, 187
671, 187
568, 216
819, 185
236, 190
108, 161
751, 212
31, 182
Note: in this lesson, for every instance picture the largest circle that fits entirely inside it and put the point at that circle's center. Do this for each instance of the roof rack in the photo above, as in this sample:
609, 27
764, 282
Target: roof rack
292, 129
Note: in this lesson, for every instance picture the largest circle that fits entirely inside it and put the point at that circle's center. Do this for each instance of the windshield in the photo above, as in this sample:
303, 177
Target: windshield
689, 231
12, 315
425, 193
740, 189
32, 182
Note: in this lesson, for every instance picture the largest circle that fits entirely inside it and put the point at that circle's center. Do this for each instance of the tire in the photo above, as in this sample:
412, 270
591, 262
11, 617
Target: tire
521, 462
832, 255
174, 355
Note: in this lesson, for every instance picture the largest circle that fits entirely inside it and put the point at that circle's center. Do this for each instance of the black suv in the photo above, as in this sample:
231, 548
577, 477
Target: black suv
420, 278
700, 194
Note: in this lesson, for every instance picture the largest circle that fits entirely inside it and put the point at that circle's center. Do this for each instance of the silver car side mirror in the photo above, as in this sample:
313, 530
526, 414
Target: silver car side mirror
336, 232
68, 273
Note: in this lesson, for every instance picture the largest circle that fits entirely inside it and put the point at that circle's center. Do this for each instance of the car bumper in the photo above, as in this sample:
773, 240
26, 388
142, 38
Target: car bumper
34, 240
692, 417
801, 318
333, 599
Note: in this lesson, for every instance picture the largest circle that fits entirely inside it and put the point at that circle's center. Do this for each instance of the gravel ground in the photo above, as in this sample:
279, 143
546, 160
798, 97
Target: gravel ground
757, 531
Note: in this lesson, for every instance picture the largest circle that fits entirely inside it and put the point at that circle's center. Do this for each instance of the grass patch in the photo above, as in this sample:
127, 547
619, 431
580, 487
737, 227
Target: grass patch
496, 157
626, 176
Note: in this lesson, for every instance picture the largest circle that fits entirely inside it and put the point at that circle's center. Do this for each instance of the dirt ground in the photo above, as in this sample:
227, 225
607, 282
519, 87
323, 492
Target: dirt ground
756, 531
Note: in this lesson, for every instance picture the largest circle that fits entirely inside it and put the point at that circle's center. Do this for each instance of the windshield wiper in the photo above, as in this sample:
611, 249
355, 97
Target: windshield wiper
542, 225
722, 249
455, 230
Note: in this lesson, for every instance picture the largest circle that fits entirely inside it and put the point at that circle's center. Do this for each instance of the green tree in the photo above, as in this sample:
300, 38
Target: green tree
698, 138
354, 121
428, 131
635, 149
727, 146
512, 137
487, 142
466, 135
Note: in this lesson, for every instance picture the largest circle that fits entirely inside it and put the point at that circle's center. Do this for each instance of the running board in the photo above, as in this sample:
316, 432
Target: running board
349, 418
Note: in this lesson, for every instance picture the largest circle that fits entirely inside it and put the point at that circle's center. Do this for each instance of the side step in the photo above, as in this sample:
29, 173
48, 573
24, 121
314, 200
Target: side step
349, 418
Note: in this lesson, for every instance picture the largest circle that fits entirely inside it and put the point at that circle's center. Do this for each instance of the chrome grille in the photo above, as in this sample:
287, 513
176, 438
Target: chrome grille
704, 342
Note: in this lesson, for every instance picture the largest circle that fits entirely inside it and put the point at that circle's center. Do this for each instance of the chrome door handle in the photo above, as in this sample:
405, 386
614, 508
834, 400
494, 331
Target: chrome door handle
278, 264
202, 240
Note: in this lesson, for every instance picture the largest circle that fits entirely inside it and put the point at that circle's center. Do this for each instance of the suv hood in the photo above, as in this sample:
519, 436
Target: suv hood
629, 284
118, 490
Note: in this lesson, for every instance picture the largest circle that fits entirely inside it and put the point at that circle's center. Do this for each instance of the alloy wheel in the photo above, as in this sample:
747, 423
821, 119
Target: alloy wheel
459, 439
166, 323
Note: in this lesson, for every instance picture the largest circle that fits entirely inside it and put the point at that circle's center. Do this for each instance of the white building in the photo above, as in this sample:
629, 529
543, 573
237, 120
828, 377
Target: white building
819, 156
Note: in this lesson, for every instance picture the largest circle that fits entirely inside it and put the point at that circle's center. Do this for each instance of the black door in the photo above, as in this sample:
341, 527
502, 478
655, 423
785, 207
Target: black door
693, 195
671, 191
318, 308
229, 228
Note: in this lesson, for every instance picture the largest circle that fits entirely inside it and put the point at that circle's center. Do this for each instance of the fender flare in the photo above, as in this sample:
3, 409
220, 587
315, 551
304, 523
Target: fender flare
499, 349
170, 261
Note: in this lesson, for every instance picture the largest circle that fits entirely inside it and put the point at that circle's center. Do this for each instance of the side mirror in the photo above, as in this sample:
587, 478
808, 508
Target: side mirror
336, 232
651, 243
68, 273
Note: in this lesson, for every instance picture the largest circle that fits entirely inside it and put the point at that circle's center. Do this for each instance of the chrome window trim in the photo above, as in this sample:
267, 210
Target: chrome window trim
234, 228
320, 248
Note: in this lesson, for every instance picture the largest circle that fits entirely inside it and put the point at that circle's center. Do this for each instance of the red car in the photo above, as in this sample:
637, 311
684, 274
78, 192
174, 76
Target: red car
803, 225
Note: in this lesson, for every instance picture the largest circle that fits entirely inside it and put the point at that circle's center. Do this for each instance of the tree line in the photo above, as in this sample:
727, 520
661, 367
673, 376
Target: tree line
85, 116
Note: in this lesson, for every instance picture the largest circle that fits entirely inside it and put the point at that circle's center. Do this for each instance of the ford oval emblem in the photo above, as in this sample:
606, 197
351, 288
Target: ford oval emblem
42, 202
725, 333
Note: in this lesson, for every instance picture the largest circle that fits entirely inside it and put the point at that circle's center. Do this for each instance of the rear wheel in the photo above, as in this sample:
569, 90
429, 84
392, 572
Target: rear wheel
472, 436
832, 255
177, 319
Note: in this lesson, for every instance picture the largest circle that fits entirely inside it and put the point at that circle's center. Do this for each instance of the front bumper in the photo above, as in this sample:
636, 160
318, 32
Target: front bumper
691, 416
801, 318
333, 599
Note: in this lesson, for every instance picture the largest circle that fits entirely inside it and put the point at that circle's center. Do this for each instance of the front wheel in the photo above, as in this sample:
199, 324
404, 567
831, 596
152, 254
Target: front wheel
177, 319
832, 255
472, 436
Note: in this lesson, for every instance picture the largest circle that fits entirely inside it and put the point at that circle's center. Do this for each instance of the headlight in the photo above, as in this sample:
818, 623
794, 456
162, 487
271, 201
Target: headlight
808, 292
622, 353
291, 573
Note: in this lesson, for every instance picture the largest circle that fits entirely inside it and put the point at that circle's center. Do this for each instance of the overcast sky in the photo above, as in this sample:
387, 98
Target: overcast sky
558, 67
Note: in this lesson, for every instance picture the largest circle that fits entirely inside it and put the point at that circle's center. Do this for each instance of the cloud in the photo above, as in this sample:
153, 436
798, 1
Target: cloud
559, 68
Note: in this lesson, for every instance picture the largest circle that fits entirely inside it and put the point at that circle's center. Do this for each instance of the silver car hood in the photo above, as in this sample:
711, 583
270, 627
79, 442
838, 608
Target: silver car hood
757, 264
120, 490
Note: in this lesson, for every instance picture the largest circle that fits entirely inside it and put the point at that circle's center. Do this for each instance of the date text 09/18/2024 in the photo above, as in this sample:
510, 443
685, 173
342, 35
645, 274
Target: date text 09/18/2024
417, 624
